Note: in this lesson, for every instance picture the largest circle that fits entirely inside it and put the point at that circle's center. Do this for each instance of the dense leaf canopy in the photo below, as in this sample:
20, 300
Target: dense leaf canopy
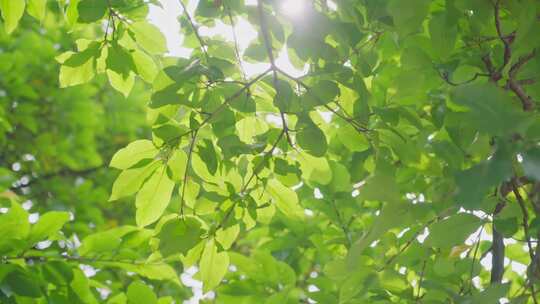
402, 165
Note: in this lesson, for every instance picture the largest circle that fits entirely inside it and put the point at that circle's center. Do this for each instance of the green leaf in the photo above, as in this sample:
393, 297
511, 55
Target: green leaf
213, 266
14, 224
57, 272
92, 51
104, 241
475, 182
491, 109
392, 215
151, 270
166, 96
154, 197
453, 230
249, 127
12, 12
227, 236
149, 37
179, 235
48, 225
352, 139
286, 199
311, 139
121, 84
315, 169
341, 179
81, 288
133, 153
443, 33
78, 68
177, 165
91, 10
37, 8
531, 163
492, 294
408, 16
255, 53
381, 187
130, 181
140, 293
169, 132
119, 60
284, 96
506, 226
208, 155
23, 284
321, 93
145, 65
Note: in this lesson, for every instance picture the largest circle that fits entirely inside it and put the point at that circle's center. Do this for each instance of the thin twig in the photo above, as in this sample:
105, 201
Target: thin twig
342, 225
259, 166
446, 78
221, 107
474, 257
505, 41
349, 120
268, 46
56, 174
236, 45
78, 259
409, 242
515, 85
420, 281
195, 29
188, 164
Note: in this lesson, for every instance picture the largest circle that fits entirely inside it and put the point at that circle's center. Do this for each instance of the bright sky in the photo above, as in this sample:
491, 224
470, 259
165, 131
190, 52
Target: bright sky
167, 20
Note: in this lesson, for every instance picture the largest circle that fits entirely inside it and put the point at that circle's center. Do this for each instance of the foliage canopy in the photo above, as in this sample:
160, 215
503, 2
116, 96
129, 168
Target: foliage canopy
402, 167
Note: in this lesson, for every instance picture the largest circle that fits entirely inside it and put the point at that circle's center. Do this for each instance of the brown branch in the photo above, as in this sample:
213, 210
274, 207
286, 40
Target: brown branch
474, 257
521, 203
514, 84
493, 73
505, 41
525, 214
529, 81
446, 78
497, 256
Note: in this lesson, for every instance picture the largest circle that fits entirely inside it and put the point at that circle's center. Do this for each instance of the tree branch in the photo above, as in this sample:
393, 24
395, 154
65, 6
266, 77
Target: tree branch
221, 107
257, 168
268, 46
515, 85
62, 172
505, 41
188, 164
349, 120
195, 29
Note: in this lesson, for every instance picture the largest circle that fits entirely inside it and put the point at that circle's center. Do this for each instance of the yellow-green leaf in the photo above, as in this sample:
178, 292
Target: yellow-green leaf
213, 266
154, 197
12, 12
